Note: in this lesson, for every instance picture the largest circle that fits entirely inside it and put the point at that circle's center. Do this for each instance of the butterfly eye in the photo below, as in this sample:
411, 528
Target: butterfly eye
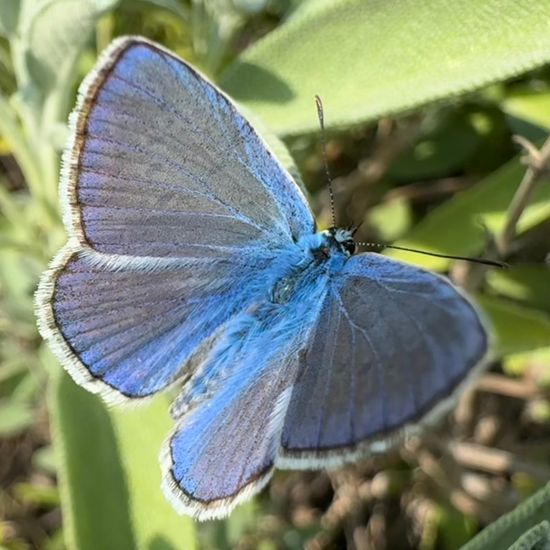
349, 247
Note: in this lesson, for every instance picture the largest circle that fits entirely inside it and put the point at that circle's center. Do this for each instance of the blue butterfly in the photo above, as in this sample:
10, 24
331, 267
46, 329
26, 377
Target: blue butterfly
193, 259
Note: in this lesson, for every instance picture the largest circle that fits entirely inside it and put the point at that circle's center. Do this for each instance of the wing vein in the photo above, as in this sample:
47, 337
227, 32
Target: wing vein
378, 363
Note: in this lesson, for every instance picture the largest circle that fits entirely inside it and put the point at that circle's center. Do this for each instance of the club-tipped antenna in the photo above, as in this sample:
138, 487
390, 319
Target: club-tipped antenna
483, 261
321, 116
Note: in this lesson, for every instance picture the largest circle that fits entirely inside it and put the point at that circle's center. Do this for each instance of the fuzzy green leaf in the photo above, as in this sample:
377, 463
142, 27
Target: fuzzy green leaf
509, 530
9, 16
369, 58
54, 34
537, 538
141, 433
109, 473
94, 493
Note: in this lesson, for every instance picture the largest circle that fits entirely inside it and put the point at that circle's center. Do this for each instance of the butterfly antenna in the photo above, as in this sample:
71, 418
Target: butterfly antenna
484, 261
321, 116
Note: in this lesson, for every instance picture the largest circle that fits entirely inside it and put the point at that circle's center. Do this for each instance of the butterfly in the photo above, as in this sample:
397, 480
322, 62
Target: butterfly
193, 259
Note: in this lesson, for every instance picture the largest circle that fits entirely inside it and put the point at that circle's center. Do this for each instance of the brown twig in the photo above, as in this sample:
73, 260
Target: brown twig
538, 161
511, 387
495, 461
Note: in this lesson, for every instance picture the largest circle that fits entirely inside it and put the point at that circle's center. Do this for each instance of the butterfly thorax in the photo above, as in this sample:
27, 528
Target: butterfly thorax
323, 252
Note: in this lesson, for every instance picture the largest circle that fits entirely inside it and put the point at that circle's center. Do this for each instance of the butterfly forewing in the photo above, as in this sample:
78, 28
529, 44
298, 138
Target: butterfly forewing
162, 164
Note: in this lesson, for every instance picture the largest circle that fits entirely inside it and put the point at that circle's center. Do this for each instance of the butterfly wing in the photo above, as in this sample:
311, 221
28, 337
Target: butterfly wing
174, 206
124, 330
162, 164
392, 345
224, 450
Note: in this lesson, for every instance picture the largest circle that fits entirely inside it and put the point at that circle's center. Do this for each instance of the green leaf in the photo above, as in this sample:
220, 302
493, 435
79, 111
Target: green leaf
9, 16
94, 493
445, 148
109, 473
141, 432
529, 284
367, 59
55, 33
537, 538
509, 530
531, 106
458, 225
518, 329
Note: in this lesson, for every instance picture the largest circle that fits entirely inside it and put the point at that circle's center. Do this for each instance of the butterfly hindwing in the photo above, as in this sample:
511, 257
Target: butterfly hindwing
224, 451
227, 439
392, 345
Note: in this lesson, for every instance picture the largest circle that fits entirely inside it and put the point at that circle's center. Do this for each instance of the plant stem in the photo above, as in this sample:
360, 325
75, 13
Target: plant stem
538, 163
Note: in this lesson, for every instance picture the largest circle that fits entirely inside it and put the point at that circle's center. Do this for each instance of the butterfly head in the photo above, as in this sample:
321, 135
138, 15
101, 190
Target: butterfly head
340, 239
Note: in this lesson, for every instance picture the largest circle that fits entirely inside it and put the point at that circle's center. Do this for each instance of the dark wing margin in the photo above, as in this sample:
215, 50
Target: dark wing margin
393, 346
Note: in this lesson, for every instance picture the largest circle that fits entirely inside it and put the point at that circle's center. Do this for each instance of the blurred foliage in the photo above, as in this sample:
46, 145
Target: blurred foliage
439, 177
